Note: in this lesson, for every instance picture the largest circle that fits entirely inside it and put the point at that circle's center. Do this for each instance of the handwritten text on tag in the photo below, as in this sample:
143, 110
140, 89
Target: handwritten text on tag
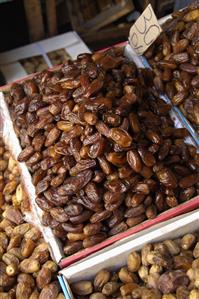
144, 31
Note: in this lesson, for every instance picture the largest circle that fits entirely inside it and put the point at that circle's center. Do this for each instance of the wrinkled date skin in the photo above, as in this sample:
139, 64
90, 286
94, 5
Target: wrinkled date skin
174, 57
163, 270
103, 153
26, 270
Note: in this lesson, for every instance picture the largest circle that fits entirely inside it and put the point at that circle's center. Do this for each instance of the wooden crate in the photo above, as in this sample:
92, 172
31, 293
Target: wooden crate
104, 4
118, 9
34, 16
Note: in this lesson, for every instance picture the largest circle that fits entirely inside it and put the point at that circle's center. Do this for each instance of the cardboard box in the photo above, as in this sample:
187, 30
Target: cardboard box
14, 63
116, 255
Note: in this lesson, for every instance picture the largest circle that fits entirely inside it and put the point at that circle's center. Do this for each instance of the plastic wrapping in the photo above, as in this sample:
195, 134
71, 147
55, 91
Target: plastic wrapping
34, 216
117, 254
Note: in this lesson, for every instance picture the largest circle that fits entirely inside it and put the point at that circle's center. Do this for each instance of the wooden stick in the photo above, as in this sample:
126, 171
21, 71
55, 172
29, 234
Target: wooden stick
34, 19
51, 17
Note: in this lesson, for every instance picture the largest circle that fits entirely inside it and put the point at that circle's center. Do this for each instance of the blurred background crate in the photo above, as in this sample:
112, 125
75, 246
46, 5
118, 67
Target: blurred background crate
93, 15
99, 22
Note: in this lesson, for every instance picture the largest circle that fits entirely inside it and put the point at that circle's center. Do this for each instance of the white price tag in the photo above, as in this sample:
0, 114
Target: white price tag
144, 31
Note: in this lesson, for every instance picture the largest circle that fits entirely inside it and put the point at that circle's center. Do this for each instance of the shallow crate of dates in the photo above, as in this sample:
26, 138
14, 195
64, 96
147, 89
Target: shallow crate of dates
159, 263
175, 61
34, 212
26, 267
104, 154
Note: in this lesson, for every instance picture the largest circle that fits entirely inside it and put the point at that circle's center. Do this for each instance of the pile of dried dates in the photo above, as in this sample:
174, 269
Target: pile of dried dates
164, 270
101, 147
26, 269
175, 61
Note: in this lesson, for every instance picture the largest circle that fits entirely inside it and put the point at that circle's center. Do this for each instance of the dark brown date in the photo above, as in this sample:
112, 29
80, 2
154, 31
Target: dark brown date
167, 178
92, 240
59, 214
83, 217
26, 154
75, 184
81, 166
68, 227
134, 160
147, 157
121, 137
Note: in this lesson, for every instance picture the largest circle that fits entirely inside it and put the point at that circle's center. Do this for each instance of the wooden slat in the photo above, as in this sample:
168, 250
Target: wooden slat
34, 19
51, 17
107, 35
74, 13
104, 4
102, 19
165, 6
147, 2
141, 5
110, 15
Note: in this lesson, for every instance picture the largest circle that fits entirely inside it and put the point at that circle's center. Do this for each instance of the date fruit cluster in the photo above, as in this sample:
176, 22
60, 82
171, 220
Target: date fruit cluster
102, 149
164, 270
175, 60
26, 269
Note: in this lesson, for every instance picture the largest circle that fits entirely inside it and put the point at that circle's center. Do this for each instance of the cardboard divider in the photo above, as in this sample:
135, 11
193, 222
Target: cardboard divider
10, 61
116, 256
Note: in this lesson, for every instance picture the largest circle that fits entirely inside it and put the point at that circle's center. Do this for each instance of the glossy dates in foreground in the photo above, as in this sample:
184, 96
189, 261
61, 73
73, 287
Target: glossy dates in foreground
101, 147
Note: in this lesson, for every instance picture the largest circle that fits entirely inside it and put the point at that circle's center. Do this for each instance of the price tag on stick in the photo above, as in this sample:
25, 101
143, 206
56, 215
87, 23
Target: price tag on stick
144, 31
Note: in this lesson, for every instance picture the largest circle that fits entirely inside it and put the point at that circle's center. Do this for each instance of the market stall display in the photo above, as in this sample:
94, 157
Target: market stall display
174, 58
104, 160
107, 155
26, 268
